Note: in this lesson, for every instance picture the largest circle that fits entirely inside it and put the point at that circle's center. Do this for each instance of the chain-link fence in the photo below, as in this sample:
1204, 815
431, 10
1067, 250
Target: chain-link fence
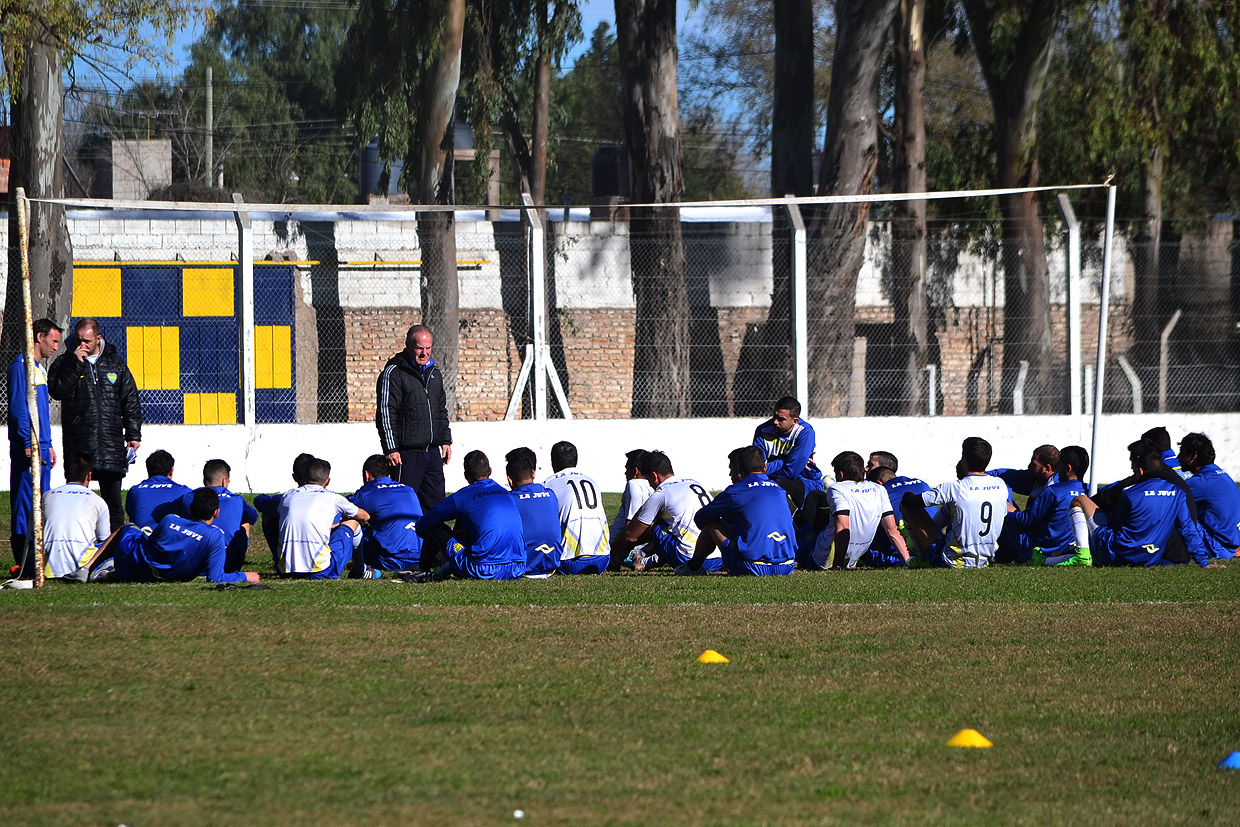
335, 292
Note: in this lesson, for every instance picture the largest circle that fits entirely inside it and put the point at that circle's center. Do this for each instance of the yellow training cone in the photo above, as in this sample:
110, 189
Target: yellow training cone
969, 738
711, 656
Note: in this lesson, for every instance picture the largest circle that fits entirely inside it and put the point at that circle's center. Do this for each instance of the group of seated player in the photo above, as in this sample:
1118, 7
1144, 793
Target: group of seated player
778, 514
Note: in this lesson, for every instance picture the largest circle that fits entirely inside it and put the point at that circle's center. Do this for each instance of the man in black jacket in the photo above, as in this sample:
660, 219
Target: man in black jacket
101, 415
411, 413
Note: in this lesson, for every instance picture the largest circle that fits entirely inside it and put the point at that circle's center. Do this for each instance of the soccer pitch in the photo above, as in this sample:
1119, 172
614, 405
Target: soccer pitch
1108, 696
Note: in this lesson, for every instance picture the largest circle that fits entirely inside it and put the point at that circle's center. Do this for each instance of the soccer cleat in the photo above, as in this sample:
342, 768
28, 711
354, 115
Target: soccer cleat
684, 571
1038, 558
1082, 557
369, 573
635, 561
422, 576
78, 575
104, 572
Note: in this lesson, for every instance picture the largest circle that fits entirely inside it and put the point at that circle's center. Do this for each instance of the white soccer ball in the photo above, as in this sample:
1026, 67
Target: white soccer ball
518, 813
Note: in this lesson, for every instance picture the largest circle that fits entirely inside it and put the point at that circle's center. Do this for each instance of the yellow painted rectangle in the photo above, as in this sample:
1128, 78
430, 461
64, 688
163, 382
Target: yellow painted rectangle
154, 357
273, 356
226, 408
96, 291
262, 356
210, 408
192, 403
207, 291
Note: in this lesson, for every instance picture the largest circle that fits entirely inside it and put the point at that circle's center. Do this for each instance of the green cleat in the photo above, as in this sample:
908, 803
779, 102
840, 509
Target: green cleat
1037, 558
1081, 558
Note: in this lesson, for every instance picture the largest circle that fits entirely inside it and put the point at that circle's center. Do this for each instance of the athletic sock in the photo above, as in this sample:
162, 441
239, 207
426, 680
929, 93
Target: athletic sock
1080, 527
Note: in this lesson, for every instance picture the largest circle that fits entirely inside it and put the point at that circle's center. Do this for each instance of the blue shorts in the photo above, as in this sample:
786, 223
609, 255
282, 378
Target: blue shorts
734, 564
594, 564
460, 566
341, 545
667, 550
128, 557
21, 484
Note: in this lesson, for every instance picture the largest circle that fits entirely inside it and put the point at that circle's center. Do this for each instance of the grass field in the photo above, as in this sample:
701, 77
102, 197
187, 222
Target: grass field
1110, 696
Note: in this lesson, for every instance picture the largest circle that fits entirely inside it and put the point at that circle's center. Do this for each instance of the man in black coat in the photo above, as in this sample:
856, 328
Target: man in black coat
411, 413
101, 416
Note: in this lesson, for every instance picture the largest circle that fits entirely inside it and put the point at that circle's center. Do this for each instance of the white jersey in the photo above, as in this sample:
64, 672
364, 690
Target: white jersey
636, 492
865, 503
582, 518
674, 505
979, 505
307, 515
75, 522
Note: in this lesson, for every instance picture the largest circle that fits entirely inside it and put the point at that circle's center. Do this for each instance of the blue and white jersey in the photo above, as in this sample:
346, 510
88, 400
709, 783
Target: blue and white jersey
1218, 509
756, 519
1047, 518
979, 506
487, 523
673, 506
178, 550
390, 538
582, 518
1173, 462
307, 516
19, 410
154, 498
1144, 518
865, 503
540, 525
790, 455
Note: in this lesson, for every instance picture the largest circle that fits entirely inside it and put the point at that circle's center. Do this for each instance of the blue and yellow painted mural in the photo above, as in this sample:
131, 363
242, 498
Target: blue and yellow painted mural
178, 324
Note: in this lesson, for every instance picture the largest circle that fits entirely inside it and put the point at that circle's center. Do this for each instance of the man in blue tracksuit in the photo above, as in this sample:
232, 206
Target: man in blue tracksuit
390, 540
882, 553
1046, 522
788, 443
540, 515
1218, 499
748, 522
178, 549
21, 477
158, 495
1014, 542
488, 543
1145, 516
236, 515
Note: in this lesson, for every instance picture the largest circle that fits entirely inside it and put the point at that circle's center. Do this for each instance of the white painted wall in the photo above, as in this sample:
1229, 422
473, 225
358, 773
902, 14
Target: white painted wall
927, 447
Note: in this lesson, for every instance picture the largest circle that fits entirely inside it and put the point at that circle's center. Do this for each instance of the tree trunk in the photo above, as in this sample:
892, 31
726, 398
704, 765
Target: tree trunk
646, 35
909, 221
433, 144
837, 231
1149, 311
38, 166
1015, 74
792, 173
542, 107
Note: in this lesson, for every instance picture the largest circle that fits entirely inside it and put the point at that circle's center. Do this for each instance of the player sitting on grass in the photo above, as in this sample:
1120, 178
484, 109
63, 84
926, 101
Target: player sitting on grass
390, 540
788, 443
1045, 526
1218, 499
177, 549
882, 552
859, 508
1015, 545
268, 506
637, 490
236, 515
1143, 513
665, 522
749, 522
319, 530
540, 516
979, 504
583, 522
75, 523
488, 543
157, 495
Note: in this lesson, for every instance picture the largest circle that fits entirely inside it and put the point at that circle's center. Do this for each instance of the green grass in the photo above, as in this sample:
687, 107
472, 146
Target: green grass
1109, 696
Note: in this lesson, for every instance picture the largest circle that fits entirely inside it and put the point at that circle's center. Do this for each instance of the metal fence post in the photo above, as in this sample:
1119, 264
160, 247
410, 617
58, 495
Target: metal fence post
245, 260
1100, 367
538, 301
800, 316
1074, 305
1164, 359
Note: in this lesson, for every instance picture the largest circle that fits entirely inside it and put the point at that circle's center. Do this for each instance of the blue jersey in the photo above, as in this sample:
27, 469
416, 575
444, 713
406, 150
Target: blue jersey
19, 410
390, 539
1142, 522
1173, 462
487, 523
756, 519
154, 498
540, 525
897, 487
790, 455
1218, 509
1047, 519
181, 550
234, 511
